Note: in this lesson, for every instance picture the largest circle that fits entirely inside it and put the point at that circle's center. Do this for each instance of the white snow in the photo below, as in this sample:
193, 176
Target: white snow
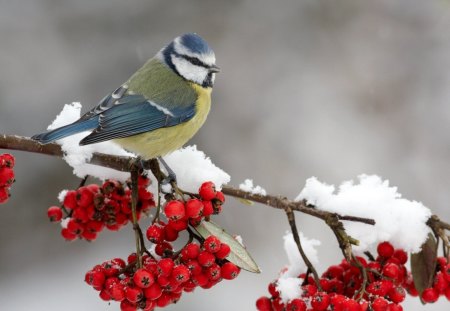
288, 284
62, 195
296, 264
289, 288
191, 166
247, 186
77, 156
398, 220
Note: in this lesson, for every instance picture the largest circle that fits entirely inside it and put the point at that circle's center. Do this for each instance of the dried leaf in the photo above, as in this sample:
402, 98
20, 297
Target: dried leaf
238, 254
423, 264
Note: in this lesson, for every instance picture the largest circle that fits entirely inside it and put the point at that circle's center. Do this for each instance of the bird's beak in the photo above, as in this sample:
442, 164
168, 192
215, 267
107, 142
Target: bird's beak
214, 69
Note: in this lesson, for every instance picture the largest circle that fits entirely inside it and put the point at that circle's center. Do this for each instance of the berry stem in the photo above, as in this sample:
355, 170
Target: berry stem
291, 218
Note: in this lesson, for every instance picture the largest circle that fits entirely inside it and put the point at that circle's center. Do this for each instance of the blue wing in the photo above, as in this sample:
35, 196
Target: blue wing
120, 115
134, 114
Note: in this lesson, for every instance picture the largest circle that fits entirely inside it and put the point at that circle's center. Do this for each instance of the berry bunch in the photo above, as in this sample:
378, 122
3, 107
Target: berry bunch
181, 214
161, 282
6, 175
89, 209
387, 279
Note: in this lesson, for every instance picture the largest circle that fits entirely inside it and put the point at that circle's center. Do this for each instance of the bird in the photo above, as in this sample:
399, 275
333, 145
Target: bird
158, 109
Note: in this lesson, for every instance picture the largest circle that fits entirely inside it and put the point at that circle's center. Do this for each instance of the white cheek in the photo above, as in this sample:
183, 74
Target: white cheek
190, 72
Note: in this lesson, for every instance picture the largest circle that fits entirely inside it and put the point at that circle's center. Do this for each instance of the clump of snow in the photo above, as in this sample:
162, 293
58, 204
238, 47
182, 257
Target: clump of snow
398, 220
65, 221
191, 166
62, 195
289, 288
77, 156
247, 186
288, 284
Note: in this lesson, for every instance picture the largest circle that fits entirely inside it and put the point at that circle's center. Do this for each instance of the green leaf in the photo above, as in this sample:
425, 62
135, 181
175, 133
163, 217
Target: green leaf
423, 264
238, 254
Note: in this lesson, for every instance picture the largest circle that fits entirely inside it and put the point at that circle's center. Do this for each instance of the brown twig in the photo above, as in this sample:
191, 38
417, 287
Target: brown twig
291, 218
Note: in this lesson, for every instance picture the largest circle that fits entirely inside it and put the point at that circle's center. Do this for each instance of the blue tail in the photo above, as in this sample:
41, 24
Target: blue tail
67, 130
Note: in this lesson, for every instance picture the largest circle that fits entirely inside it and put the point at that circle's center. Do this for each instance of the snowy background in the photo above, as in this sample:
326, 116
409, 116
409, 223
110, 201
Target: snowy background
319, 88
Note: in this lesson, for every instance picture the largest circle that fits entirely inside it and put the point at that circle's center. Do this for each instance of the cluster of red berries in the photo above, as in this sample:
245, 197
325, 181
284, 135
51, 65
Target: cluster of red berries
6, 175
441, 283
161, 282
89, 209
181, 214
387, 278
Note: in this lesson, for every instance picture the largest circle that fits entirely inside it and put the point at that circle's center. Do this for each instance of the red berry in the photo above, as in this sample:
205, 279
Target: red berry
68, 235
54, 213
170, 234
379, 288
104, 295
308, 290
440, 283
223, 252
127, 306
220, 196
206, 259
194, 267
397, 294
7, 160
394, 307
430, 295
174, 210
212, 244
207, 191
144, 194
190, 251
163, 249
380, 304
194, 208
88, 235
272, 288
133, 294
165, 267
163, 301
85, 196
264, 304
180, 273
178, 225
155, 233
230, 271
153, 292
6, 176
320, 301
213, 272
298, 305
143, 278
208, 208
117, 292
349, 305
401, 255
70, 200
385, 249
392, 271
200, 279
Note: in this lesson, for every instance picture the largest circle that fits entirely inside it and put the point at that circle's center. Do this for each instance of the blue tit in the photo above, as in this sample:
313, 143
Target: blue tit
159, 108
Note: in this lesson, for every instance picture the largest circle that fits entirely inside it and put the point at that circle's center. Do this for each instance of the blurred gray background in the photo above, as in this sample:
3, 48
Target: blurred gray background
313, 87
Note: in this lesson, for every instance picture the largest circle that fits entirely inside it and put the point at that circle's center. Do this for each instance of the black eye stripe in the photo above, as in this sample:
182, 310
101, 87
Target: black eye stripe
195, 61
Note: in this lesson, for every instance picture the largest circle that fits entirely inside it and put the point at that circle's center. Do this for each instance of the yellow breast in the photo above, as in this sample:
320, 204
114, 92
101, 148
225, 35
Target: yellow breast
165, 140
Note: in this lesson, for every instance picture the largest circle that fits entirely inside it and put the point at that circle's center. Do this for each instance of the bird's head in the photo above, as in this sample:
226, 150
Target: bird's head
191, 58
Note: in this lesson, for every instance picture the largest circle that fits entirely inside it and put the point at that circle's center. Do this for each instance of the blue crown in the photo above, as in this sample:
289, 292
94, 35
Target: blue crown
195, 43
